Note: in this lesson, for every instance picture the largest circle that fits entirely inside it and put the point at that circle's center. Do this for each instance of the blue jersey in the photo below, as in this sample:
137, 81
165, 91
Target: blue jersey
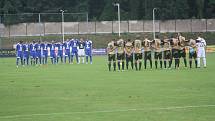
52, 50
26, 50
67, 46
60, 49
88, 47
19, 48
38, 50
33, 50
44, 48
74, 44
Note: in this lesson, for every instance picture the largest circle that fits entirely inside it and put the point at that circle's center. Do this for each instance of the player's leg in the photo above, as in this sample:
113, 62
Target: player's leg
132, 61
160, 58
156, 59
126, 61
114, 62
123, 61
195, 58
140, 61
109, 62
91, 58
150, 59
145, 59
184, 57
204, 59
87, 56
17, 59
118, 61
198, 58
136, 60
190, 59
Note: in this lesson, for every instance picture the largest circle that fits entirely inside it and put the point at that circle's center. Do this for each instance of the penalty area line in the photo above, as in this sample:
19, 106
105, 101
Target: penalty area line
108, 111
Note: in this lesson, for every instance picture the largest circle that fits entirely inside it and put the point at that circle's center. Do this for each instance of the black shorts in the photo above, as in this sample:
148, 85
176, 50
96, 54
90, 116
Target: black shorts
167, 54
147, 55
182, 53
138, 56
111, 57
158, 55
175, 53
129, 58
120, 56
193, 55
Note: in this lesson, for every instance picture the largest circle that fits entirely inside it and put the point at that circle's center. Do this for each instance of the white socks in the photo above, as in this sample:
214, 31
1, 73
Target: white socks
204, 62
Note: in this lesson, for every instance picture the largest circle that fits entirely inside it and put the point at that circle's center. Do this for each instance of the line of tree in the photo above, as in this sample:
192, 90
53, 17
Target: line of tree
104, 9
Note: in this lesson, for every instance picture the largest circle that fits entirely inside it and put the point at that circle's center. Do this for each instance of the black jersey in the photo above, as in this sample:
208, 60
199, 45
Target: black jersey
81, 45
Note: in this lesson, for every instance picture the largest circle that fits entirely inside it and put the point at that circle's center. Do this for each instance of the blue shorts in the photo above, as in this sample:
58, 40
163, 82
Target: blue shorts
67, 52
19, 54
74, 52
38, 54
26, 54
60, 53
52, 54
88, 53
33, 54
45, 53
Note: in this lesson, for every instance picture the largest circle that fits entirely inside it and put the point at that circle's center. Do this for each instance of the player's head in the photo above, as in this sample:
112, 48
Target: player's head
20, 41
129, 40
34, 41
52, 41
81, 39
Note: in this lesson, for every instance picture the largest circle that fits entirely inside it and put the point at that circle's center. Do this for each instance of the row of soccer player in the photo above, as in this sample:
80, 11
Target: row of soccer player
38, 52
165, 51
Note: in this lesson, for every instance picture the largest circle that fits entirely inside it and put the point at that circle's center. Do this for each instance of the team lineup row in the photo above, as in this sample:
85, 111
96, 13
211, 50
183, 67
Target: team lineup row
38, 52
165, 51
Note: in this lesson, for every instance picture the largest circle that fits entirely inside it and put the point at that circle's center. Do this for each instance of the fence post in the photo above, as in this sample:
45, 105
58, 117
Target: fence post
191, 25
206, 25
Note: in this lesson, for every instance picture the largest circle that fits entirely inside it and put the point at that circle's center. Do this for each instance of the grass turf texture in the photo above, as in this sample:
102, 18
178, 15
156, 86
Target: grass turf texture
91, 93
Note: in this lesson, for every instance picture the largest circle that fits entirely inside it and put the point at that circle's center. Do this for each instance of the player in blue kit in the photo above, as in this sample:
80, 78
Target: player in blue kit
19, 53
38, 53
67, 46
52, 52
88, 50
74, 45
26, 54
44, 48
60, 52
33, 52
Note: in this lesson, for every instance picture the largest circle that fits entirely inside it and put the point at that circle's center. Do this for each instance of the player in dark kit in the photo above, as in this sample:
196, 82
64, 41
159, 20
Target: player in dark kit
192, 52
138, 53
129, 53
175, 51
147, 52
158, 52
182, 50
120, 53
111, 54
167, 52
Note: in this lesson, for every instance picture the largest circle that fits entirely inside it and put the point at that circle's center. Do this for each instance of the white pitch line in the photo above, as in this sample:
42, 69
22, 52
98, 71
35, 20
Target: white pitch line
107, 111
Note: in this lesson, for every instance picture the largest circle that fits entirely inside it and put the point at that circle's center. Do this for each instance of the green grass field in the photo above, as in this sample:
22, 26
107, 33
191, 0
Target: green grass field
91, 93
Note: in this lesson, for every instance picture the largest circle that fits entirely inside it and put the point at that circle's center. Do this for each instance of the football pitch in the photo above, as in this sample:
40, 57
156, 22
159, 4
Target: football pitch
83, 92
